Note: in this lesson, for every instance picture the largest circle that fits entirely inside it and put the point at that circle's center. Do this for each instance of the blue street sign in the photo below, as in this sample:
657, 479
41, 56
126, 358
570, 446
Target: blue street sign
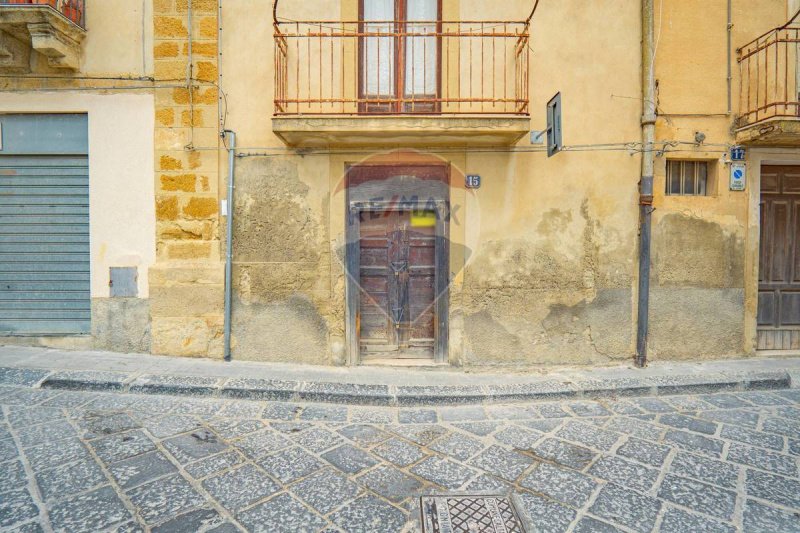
737, 153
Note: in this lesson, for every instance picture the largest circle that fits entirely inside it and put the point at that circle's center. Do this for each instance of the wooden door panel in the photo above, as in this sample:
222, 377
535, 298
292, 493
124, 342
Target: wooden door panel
779, 237
374, 284
793, 268
424, 254
791, 183
373, 257
769, 182
778, 312
765, 239
398, 259
374, 328
767, 315
790, 308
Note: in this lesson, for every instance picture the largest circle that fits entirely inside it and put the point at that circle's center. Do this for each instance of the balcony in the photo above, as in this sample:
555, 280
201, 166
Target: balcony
769, 99
53, 28
403, 83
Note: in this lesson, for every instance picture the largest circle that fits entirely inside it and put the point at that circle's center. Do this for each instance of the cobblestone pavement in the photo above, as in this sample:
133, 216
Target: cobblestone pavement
94, 461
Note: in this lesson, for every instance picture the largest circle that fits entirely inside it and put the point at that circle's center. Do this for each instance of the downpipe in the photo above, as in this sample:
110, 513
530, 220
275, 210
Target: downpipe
730, 57
229, 241
646, 182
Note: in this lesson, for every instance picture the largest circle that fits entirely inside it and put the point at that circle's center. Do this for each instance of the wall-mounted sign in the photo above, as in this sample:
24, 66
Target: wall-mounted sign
473, 181
737, 153
554, 134
738, 176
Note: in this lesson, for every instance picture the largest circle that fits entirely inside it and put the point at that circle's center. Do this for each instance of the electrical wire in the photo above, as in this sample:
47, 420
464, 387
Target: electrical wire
50, 77
156, 84
631, 148
660, 26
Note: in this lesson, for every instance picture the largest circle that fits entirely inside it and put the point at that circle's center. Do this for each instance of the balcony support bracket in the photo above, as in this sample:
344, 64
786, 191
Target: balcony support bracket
33, 28
15, 55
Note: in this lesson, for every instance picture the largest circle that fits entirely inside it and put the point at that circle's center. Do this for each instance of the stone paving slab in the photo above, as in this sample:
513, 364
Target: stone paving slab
117, 461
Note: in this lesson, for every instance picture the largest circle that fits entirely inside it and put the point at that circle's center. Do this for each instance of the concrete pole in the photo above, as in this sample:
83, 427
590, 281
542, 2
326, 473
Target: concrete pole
646, 183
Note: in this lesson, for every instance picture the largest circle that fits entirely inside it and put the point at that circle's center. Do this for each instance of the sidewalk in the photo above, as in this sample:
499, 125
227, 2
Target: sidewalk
84, 370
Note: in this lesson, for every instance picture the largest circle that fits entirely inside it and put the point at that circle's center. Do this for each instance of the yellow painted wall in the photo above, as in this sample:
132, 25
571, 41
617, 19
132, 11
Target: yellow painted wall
119, 37
552, 278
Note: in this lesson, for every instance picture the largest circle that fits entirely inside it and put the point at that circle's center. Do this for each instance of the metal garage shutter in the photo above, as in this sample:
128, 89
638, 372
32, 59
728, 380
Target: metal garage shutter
44, 236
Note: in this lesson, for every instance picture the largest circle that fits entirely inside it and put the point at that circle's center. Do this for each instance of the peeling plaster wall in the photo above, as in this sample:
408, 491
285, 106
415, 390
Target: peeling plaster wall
700, 305
283, 304
544, 263
697, 288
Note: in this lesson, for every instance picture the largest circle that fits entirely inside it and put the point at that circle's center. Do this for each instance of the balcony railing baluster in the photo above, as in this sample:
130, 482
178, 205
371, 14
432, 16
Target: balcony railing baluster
769, 77
462, 78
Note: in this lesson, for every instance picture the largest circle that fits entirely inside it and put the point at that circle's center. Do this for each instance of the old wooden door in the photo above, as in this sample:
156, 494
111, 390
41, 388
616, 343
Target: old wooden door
397, 283
397, 261
779, 261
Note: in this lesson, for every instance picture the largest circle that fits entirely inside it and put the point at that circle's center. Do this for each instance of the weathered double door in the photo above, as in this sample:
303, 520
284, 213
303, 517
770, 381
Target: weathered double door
397, 262
779, 260
397, 279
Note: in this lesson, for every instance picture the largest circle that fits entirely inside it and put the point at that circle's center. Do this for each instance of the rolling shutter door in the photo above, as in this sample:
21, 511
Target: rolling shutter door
44, 242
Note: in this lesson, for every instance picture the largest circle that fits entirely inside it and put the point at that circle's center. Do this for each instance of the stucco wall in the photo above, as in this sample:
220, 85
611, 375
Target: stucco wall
119, 37
552, 272
113, 88
701, 245
122, 213
551, 276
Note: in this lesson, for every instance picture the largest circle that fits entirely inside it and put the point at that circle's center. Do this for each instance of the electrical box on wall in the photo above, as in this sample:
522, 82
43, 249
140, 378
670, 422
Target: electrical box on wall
123, 282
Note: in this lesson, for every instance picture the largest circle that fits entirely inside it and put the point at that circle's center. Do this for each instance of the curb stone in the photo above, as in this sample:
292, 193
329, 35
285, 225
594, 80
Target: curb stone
391, 395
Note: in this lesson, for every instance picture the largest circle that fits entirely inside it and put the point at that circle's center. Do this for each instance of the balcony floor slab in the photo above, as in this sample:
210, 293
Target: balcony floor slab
399, 131
773, 132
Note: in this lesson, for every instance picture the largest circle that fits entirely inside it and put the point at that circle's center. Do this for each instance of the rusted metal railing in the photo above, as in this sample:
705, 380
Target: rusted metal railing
391, 67
74, 10
769, 76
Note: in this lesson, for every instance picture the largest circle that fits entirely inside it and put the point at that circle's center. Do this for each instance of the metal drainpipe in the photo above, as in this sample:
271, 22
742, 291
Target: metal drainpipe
646, 183
730, 57
229, 242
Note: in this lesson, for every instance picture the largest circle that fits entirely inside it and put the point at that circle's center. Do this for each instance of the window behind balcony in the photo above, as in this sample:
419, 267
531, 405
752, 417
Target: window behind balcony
399, 56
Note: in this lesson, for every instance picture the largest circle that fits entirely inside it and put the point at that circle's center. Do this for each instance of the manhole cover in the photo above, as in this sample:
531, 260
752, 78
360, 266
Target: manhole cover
469, 514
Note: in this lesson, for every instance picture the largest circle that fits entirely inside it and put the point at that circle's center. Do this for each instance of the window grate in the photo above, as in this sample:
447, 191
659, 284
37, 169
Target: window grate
687, 178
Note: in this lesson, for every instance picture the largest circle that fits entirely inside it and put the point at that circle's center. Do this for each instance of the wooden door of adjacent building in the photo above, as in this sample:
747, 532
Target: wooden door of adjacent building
779, 260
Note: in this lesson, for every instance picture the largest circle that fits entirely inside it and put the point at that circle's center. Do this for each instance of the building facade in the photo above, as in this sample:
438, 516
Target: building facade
396, 196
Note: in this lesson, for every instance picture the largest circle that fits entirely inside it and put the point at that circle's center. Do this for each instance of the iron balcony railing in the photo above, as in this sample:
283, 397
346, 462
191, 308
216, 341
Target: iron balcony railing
769, 76
401, 67
74, 10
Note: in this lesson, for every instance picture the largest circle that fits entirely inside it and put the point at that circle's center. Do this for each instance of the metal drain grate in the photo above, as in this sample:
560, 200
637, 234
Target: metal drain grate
469, 514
